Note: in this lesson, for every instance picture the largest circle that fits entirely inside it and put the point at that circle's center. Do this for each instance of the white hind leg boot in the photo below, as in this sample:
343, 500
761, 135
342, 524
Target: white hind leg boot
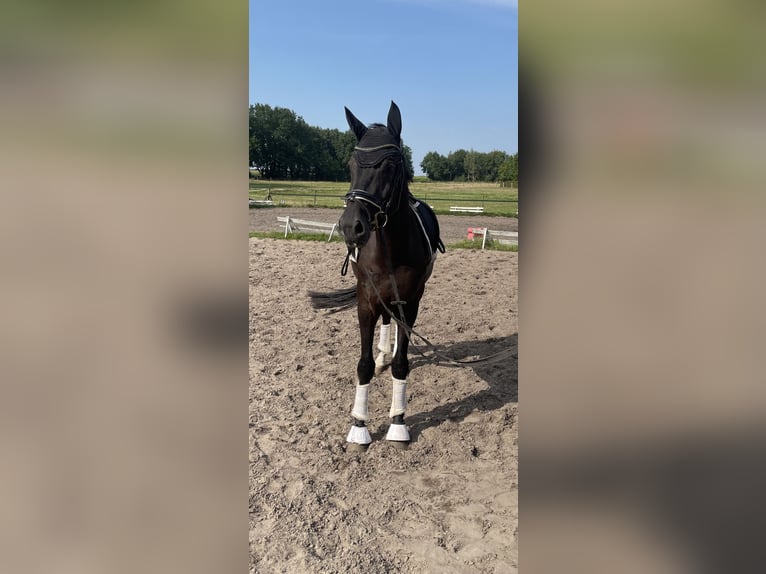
360, 434
384, 346
398, 432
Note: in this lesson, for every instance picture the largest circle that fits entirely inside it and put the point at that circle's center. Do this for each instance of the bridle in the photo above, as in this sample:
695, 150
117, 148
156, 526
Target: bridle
378, 218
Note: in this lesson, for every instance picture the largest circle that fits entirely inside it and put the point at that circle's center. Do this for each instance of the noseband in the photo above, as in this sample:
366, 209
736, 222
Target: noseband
379, 218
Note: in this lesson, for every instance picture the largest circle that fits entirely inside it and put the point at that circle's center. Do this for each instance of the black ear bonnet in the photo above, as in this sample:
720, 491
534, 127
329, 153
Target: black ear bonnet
376, 145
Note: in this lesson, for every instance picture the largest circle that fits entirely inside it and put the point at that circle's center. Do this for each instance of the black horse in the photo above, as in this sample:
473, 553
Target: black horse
392, 240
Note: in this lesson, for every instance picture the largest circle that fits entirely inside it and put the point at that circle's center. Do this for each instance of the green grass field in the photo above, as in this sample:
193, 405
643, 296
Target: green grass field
495, 200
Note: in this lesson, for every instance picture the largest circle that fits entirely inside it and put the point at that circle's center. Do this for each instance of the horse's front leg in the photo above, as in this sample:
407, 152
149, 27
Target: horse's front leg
364, 370
400, 368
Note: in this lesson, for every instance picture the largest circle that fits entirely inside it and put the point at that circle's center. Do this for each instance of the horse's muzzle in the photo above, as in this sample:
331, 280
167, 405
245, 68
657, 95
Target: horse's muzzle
355, 227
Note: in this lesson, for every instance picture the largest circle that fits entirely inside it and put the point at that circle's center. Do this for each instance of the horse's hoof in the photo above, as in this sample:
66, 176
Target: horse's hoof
398, 433
358, 435
379, 369
356, 448
399, 445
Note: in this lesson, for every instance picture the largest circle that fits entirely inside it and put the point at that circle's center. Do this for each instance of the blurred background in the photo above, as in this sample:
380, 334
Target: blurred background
124, 256
641, 286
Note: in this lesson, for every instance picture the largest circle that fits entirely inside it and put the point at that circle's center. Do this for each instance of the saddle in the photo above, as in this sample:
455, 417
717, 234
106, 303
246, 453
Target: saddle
428, 223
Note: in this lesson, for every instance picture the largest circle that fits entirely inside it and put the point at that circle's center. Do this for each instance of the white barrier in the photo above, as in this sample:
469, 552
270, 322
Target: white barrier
260, 202
292, 224
506, 237
459, 209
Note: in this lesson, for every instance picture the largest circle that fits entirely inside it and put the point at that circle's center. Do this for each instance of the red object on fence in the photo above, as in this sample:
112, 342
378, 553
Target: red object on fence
475, 230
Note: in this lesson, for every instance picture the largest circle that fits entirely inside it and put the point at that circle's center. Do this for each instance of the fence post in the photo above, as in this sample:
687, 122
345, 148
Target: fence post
315, 198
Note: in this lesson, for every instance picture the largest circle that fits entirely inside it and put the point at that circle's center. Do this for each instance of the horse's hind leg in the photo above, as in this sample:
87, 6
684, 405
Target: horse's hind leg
384, 345
400, 368
359, 434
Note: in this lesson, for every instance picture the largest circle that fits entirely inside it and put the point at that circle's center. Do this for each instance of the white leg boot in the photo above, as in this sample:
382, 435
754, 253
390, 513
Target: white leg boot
398, 432
360, 434
384, 346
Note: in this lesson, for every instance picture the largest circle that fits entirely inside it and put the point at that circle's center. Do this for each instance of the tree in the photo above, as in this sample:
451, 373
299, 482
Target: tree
274, 140
407, 152
491, 163
342, 146
284, 146
509, 169
471, 166
331, 154
435, 166
456, 165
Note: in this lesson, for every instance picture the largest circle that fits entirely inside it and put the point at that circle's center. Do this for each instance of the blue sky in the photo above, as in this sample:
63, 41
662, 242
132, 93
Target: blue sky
450, 65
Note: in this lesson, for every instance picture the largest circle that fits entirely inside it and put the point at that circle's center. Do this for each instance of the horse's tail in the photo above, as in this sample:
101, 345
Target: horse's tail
338, 300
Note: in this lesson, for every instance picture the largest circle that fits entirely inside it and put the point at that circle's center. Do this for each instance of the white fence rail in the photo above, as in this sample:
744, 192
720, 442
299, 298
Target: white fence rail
293, 225
260, 202
461, 209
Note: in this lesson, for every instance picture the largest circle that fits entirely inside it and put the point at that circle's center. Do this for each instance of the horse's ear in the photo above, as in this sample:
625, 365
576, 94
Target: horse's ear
356, 126
395, 120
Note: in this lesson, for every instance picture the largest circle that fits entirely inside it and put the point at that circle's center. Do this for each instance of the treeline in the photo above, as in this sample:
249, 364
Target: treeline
284, 146
462, 165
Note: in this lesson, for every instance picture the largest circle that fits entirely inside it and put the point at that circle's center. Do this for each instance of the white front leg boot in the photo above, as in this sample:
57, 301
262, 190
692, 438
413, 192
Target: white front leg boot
398, 432
360, 434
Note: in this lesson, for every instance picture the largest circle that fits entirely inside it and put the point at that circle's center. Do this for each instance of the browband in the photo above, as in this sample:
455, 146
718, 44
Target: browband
378, 147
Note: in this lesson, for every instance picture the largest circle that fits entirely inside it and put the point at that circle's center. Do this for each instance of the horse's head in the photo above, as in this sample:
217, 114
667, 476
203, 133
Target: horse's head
377, 177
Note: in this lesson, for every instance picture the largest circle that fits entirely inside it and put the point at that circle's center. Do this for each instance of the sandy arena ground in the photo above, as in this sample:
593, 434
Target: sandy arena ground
447, 504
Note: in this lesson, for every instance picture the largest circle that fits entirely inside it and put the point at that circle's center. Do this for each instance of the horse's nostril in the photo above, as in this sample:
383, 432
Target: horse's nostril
359, 228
